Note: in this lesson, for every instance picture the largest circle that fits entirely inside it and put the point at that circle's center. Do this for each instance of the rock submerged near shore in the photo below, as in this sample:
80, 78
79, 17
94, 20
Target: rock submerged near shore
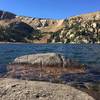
42, 67
52, 68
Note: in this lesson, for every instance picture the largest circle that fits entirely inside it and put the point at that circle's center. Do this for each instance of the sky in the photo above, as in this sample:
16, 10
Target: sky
56, 9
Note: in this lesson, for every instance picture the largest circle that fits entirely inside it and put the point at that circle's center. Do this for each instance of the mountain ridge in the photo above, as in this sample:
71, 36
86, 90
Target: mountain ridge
51, 30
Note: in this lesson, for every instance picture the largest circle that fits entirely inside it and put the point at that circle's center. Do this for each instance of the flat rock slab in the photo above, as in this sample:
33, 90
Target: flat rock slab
11, 89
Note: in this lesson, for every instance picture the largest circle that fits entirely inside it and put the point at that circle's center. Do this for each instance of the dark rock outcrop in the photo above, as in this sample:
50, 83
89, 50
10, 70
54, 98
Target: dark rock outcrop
20, 27
6, 15
17, 31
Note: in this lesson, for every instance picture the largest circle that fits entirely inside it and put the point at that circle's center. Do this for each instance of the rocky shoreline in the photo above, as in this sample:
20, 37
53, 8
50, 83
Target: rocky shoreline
54, 68
49, 76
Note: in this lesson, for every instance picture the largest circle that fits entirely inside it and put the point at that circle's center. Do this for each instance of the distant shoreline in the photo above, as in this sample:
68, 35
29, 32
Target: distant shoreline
44, 43
25, 43
17, 43
11, 42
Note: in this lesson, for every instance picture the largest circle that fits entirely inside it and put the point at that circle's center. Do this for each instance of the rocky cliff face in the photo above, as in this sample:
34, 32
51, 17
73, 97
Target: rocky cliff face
79, 29
27, 28
42, 24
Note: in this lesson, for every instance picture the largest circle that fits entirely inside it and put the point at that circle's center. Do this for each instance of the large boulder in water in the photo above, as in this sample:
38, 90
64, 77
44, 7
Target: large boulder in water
43, 66
47, 59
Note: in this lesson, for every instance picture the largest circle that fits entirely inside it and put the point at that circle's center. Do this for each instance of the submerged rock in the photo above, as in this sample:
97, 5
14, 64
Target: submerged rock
11, 89
35, 72
44, 66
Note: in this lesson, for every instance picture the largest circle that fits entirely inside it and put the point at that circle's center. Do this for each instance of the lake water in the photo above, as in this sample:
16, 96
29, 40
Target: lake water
84, 53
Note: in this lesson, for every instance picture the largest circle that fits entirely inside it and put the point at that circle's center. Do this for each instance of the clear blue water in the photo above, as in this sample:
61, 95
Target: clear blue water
84, 53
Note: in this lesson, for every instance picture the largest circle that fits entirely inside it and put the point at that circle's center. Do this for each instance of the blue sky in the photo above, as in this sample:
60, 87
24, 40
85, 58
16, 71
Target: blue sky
57, 9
